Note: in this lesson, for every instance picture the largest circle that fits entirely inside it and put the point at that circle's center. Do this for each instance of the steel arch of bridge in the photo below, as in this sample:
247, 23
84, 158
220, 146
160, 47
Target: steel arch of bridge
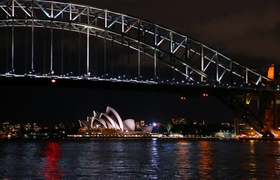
192, 61
186, 57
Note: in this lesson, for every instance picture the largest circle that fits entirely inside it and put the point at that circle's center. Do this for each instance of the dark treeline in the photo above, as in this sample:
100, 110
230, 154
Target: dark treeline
194, 129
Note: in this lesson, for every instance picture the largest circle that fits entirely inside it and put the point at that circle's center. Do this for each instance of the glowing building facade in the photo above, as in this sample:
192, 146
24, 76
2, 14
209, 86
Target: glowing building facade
111, 120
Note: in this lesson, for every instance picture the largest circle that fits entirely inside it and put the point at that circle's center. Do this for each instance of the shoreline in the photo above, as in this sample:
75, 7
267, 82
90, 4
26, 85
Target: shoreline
146, 136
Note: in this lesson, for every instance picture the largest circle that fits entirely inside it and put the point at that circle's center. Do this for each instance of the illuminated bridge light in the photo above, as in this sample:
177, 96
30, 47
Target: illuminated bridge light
53, 80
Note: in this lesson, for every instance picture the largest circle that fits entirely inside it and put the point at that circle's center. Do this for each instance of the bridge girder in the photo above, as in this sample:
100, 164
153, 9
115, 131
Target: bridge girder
195, 62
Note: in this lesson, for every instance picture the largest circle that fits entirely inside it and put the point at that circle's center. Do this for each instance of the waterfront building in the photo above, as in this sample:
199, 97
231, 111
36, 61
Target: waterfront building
36, 128
6, 126
27, 127
110, 122
242, 129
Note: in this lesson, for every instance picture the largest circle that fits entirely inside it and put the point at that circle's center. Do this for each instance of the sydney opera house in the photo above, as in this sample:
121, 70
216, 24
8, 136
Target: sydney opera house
110, 124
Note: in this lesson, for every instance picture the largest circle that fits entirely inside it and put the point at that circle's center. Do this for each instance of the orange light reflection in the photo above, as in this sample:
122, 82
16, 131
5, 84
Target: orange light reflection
183, 160
206, 160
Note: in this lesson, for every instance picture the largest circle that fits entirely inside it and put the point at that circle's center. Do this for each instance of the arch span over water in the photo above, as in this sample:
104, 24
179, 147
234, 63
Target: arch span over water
188, 60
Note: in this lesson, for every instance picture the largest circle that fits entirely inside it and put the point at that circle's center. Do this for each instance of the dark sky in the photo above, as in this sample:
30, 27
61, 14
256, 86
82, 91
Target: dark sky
246, 31
59, 104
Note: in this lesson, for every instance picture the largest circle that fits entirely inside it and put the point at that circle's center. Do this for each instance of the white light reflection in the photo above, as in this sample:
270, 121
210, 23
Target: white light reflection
154, 158
252, 160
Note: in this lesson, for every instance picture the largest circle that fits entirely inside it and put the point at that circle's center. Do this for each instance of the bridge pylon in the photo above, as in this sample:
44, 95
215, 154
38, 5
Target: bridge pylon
272, 106
259, 108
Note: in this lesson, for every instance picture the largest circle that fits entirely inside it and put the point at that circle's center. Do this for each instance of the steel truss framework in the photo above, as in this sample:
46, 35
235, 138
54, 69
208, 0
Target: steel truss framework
194, 61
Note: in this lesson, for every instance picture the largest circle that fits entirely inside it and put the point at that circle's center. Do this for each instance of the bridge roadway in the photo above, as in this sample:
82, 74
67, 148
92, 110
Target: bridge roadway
186, 90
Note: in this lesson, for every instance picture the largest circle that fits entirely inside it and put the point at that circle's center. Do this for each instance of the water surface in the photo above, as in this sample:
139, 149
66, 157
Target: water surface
139, 159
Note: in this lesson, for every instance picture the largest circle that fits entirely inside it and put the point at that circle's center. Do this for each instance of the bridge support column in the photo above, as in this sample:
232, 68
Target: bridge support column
272, 112
255, 109
88, 51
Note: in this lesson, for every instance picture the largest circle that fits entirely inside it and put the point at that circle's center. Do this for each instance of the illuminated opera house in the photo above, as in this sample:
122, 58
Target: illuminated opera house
110, 124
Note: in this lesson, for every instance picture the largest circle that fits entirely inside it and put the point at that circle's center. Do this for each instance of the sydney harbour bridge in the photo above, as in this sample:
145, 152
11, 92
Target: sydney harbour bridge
73, 43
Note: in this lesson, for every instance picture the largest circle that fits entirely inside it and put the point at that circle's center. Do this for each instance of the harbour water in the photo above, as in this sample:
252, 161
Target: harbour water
139, 159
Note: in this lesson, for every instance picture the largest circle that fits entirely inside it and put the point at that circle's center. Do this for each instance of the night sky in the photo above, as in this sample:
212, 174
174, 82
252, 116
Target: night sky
246, 31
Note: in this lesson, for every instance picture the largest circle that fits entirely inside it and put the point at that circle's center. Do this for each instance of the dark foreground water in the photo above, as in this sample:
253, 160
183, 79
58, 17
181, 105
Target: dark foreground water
139, 159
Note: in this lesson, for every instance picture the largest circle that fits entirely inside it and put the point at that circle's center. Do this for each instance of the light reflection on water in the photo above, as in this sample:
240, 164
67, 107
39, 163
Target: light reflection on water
252, 161
277, 159
182, 158
139, 159
154, 158
52, 156
205, 160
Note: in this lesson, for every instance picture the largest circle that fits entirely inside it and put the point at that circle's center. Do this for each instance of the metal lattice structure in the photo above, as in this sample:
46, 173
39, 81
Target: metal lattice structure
188, 59
181, 59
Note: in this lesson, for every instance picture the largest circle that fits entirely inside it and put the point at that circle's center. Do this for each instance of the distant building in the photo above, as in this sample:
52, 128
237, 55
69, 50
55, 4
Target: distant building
243, 129
142, 123
27, 127
36, 128
179, 121
5, 126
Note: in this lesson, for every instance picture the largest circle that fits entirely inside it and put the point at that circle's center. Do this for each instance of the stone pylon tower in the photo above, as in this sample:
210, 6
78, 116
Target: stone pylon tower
272, 110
